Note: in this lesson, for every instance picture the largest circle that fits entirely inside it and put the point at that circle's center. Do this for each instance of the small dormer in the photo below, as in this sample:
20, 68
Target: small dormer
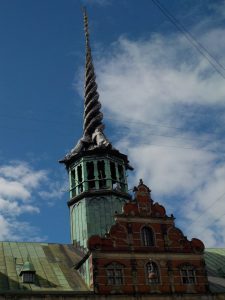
28, 272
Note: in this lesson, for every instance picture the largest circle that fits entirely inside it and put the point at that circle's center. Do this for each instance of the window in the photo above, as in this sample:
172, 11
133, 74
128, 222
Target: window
115, 274
28, 277
27, 272
152, 273
147, 236
188, 275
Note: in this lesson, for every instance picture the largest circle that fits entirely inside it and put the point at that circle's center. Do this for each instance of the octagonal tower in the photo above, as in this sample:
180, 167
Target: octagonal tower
97, 171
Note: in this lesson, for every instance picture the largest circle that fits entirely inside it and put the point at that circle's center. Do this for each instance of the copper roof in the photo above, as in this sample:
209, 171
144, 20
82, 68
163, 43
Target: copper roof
215, 264
53, 263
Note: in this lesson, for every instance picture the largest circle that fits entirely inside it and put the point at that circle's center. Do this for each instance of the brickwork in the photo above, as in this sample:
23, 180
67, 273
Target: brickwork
145, 253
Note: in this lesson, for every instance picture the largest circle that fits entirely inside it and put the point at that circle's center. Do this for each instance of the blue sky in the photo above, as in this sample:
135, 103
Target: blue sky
164, 106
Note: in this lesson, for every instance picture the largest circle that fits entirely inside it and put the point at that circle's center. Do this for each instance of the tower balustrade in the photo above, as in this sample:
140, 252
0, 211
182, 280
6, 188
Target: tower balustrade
101, 173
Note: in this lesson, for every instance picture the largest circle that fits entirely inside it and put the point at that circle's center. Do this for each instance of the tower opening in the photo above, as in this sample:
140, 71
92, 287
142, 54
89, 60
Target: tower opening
121, 177
90, 175
113, 172
80, 181
73, 182
101, 174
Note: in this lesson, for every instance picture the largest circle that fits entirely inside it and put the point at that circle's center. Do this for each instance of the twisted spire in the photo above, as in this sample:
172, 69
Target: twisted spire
93, 137
92, 114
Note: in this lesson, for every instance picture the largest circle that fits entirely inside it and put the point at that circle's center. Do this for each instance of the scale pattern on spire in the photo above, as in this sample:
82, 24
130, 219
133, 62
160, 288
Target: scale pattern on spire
92, 114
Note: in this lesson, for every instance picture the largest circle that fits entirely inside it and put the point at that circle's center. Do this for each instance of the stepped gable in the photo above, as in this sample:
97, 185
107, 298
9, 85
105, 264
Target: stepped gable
143, 205
139, 212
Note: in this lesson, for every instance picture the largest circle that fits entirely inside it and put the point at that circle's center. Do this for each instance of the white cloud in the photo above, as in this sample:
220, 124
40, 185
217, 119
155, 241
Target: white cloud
172, 170
149, 71
18, 179
21, 189
14, 208
168, 103
23, 173
20, 231
5, 228
13, 189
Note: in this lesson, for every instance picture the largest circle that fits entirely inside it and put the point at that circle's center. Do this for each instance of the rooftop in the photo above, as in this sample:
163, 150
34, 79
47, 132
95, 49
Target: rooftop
54, 267
215, 263
53, 264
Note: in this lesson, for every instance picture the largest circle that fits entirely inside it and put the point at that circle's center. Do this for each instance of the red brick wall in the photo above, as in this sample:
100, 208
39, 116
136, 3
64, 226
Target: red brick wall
124, 245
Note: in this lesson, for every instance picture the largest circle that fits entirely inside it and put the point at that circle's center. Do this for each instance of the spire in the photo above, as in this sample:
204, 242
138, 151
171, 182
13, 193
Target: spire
93, 135
92, 114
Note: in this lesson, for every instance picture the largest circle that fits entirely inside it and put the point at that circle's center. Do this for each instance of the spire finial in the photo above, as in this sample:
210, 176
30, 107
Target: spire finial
86, 31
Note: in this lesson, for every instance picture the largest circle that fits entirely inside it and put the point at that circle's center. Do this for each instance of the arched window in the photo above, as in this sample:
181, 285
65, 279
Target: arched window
152, 273
147, 236
188, 274
114, 274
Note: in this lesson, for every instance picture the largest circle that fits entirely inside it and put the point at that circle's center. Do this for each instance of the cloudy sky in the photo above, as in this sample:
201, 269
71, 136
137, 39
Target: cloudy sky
161, 78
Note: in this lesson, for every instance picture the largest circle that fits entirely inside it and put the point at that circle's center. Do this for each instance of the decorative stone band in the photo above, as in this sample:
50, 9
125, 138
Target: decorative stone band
154, 255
